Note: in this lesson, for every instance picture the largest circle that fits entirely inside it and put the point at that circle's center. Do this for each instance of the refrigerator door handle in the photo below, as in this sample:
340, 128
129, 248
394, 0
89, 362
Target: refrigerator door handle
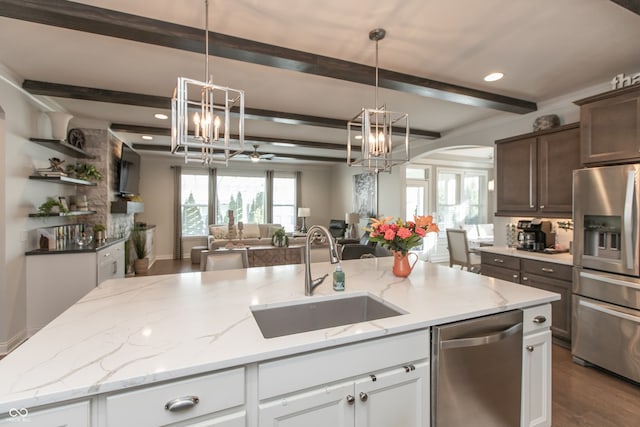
629, 225
609, 280
609, 311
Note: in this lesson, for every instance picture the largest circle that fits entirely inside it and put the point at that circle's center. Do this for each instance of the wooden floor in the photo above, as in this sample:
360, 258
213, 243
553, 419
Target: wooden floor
582, 396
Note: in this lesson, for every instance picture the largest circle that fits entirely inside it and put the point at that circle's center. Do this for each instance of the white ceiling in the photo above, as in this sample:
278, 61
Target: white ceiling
545, 49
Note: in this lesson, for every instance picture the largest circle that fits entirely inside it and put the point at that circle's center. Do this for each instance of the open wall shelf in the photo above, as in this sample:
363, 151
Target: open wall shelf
62, 147
62, 180
73, 213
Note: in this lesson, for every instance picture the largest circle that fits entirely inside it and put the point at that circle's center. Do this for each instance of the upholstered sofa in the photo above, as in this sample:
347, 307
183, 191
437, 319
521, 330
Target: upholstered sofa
252, 235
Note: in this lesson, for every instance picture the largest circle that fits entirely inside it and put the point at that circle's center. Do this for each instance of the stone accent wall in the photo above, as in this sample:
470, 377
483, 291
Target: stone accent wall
105, 146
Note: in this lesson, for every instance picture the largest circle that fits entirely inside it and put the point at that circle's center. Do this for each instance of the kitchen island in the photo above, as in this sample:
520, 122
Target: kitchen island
132, 341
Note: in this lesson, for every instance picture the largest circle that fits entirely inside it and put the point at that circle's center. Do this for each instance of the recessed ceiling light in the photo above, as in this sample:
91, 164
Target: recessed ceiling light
283, 144
493, 77
147, 137
161, 116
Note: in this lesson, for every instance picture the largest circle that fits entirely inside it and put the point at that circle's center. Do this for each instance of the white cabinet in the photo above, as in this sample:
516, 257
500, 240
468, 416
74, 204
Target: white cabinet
209, 400
320, 407
396, 397
536, 368
383, 382
71, 415
110, 262
56, 281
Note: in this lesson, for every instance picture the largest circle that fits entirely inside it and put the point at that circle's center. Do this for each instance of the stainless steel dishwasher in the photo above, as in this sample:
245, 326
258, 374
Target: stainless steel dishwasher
477, 372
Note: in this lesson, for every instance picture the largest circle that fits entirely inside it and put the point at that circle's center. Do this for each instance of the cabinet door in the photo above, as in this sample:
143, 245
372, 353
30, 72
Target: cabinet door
561, 309
516, 167
558, 156
610, 129
536, 380
237, 419
110, 262
321, 407
73, 415
399, 397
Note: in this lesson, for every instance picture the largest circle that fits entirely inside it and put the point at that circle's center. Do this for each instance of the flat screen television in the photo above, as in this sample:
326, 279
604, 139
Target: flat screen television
128, 168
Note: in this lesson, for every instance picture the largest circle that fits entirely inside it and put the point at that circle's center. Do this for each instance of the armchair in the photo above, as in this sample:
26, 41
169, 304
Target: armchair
337, 227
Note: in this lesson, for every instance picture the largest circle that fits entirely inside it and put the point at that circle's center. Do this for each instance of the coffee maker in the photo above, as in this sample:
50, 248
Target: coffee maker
535, 235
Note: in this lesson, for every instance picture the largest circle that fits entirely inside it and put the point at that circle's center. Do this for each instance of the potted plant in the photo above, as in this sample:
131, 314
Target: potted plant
52, 206
85, 171
99, 232
279, 238
139, 241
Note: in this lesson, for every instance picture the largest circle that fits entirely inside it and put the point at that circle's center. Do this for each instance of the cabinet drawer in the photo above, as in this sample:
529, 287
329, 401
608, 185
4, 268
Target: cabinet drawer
147, 406
326, 366
500, 273
547, 269
72, 415
536, 319
504, 261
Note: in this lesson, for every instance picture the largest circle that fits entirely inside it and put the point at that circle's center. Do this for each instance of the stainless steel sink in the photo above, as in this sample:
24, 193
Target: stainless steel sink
313, 314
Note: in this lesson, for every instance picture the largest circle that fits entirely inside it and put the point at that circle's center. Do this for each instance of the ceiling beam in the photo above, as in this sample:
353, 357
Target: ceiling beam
76, 16
163, 102
163, 148
158, 131
632, 5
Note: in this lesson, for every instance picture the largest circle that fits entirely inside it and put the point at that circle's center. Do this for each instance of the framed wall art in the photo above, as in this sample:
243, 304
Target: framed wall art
365, 194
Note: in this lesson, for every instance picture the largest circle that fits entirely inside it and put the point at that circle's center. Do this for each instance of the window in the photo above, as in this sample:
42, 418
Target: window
244, 195
417, 192
195, 202
461, 197
284, 201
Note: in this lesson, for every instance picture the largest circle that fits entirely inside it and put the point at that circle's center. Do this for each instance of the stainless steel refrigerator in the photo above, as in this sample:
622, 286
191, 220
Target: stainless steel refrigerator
606, 278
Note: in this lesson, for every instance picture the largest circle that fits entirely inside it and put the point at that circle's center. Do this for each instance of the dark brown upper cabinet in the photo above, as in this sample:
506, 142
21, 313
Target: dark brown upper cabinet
610, 127
534, 172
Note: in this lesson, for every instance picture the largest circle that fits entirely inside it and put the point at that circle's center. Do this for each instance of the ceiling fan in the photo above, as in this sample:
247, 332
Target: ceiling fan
256, 157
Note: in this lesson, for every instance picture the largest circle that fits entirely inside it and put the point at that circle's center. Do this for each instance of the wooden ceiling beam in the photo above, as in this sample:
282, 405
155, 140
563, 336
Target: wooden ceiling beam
158, 131
80, 17
163, 148
632, 5
163, 102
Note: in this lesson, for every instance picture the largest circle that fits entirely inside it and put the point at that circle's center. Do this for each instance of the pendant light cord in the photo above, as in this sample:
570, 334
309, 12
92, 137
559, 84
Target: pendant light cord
376, 101
206, 40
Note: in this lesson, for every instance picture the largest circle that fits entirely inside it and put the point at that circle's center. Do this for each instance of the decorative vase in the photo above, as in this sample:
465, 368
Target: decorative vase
401, 266
59, 123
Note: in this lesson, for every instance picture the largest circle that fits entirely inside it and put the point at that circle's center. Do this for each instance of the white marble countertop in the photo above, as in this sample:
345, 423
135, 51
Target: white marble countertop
136, 331
561, 258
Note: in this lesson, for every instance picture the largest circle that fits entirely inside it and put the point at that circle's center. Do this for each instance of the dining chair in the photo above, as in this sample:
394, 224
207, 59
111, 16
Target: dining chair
356, 251
459, 253
224, 259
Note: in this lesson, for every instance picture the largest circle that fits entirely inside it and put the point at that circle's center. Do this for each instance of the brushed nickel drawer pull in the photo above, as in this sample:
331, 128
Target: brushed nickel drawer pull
539, 320
498, 260
181, 403
530, 348
547, 270
350, 399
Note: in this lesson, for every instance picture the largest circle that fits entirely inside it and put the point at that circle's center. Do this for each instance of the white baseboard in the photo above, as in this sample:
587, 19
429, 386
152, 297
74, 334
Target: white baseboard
13, 342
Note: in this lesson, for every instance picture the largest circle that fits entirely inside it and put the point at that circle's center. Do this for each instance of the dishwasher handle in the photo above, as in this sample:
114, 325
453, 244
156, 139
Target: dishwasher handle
483, 340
